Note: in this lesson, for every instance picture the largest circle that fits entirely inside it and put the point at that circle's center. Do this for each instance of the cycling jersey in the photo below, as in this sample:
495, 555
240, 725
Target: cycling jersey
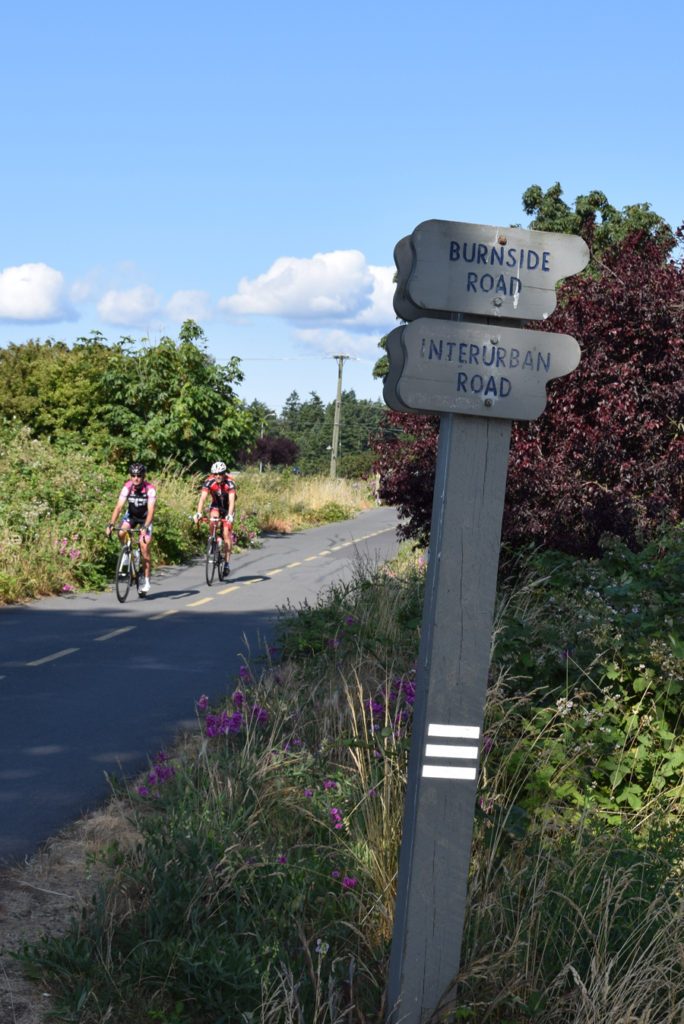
219, 488
138, 499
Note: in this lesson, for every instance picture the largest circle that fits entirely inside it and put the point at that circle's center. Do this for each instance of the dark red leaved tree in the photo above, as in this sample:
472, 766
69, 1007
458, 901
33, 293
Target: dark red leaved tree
607, 455
274, 451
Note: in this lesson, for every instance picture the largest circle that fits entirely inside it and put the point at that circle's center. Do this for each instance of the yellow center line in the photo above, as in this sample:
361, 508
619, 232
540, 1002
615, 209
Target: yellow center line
227, 590
273, 572
204, 600
292, 565
115, 632
324, 552
311, 558
247, 583
162, 615
52, 657
337, 547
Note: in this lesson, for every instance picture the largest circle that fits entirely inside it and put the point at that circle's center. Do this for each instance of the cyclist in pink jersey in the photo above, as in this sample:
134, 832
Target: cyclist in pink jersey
139, 496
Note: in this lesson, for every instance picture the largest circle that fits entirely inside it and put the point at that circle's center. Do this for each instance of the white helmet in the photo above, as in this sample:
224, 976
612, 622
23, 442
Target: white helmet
218, 467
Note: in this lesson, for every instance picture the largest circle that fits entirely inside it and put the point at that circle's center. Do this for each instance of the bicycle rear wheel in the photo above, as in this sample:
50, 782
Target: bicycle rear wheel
210, 565
124, 573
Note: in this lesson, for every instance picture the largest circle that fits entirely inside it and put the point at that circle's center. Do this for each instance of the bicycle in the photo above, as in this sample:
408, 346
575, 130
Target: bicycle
214, 560
128, 571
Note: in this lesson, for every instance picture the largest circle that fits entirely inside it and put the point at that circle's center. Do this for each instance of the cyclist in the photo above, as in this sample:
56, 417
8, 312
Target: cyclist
140, 497
220, 488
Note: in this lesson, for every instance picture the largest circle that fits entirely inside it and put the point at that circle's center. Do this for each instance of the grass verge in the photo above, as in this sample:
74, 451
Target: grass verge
260, 882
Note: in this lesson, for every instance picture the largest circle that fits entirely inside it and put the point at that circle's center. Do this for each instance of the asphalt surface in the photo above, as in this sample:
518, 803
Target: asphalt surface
90, 688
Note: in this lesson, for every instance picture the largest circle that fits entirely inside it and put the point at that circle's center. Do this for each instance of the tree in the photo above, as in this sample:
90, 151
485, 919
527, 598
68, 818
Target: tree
51, 388
160, 402
405, 457
607, 455
271, 451
173, 401
601, 225
310, 426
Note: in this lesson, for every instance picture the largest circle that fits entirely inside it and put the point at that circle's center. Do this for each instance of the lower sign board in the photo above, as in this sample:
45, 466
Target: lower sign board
446, 366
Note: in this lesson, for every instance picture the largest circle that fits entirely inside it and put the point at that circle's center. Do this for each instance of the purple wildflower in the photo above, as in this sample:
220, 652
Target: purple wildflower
336, 817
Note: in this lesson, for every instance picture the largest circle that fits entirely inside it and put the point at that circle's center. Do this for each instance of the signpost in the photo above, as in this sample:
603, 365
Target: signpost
464, 288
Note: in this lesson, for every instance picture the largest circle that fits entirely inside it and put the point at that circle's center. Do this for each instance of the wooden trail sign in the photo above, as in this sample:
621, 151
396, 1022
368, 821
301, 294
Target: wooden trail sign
465, 355
483, 270
476, 369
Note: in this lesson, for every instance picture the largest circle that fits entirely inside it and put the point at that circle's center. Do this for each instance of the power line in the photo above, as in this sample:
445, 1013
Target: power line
296, 359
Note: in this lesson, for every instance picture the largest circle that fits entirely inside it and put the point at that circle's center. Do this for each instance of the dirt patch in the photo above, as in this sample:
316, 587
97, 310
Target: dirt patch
40, 896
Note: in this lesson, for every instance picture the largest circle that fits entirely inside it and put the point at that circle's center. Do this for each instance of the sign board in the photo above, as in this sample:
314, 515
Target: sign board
474, 369
461, 287
447, 266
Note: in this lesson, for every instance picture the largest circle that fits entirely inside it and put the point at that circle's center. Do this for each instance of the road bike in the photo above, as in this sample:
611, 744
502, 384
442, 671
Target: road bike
128, 570
215, 557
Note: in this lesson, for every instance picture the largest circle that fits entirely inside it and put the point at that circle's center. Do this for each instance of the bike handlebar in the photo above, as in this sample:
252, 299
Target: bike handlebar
212, 519
126, 529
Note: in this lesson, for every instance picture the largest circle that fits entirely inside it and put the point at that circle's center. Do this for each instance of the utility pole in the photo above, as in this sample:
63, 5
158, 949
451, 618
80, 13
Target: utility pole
336, 422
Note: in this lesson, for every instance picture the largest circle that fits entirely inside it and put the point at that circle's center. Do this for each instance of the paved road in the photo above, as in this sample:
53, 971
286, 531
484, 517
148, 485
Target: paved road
89, 686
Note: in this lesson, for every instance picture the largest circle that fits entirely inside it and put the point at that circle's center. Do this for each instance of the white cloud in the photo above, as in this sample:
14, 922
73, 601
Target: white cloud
130, 308
333, 287
340, 342
380, 311
189, 305
34, 293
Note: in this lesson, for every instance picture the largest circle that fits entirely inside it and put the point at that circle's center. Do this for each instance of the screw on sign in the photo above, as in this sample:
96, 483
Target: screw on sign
466, 290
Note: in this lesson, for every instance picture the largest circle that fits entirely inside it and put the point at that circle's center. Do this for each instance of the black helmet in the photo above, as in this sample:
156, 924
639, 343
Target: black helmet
137, 469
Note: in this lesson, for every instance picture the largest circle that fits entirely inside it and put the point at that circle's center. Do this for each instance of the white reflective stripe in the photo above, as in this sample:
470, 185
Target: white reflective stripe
115, 632
52, 657
454, 732
447, 771
443, 750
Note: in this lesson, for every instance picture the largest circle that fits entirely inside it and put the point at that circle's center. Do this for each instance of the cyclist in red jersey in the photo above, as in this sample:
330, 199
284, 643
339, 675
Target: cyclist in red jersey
140, 497
220, 488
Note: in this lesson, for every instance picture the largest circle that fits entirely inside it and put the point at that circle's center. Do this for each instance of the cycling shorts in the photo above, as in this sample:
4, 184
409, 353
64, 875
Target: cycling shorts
130, 522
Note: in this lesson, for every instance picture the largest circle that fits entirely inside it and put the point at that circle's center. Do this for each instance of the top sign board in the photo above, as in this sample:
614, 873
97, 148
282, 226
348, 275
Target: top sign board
449, 267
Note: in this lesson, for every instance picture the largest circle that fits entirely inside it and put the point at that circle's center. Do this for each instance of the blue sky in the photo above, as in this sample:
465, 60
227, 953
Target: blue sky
252, 166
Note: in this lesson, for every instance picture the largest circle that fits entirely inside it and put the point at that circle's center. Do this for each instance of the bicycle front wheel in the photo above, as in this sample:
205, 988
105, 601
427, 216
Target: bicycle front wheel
124, 573
210, 566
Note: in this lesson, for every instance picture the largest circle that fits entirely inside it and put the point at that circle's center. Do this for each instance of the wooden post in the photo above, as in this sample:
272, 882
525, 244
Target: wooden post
336, 421
451, 687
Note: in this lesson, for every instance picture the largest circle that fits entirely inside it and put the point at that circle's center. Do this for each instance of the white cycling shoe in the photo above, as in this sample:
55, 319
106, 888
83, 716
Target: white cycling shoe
144, 586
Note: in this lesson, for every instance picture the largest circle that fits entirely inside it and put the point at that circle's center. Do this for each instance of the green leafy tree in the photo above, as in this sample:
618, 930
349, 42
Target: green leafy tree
310, 425
266, 419
166, 401
600, 224
173, 401
54, 389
